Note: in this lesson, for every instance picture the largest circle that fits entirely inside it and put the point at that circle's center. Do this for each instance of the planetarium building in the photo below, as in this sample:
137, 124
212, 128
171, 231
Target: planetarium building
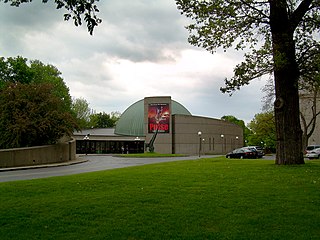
162, 125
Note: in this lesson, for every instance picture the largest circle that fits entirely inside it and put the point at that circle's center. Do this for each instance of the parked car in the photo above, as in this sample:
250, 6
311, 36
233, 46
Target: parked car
312, 154
258, 149
310, 148
242, 153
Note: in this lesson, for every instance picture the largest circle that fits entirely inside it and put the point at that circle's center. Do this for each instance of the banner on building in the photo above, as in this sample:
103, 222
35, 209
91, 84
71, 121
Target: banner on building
158, 118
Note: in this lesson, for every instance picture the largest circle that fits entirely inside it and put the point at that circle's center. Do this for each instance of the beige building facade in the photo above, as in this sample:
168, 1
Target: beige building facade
165, 126
310, 108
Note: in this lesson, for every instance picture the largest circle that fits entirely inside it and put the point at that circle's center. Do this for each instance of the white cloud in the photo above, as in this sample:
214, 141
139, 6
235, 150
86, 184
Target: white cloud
139, 50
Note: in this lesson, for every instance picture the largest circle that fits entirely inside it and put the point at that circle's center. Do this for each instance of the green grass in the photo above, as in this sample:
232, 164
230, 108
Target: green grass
149, 155
201, 199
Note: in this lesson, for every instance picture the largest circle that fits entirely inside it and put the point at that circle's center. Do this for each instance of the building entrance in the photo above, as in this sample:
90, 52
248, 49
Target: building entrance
108, 147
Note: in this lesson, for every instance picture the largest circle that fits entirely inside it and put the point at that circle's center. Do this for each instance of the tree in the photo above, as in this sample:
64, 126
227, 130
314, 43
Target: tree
280, 27
50, 74
263, 130
233, 119
115, 116
103, 120
309, 89
20, 70
81, 108
13, 70
35, 104
78, 10
32, 115
87, 118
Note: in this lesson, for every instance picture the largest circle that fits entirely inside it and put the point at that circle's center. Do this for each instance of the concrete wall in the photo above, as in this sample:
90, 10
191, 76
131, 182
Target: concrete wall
18, 157
187, 141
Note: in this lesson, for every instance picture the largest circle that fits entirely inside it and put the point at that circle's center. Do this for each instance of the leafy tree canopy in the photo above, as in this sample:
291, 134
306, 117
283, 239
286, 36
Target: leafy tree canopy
101, 120
88, 118
241, 123
276, 36
233, 119
77, 10
20, 70
263, 130
104, 120
246, 25
32, 115
81, 108
35, 104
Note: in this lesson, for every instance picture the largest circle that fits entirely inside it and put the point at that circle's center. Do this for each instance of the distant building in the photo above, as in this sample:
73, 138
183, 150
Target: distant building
164, 124
306, 108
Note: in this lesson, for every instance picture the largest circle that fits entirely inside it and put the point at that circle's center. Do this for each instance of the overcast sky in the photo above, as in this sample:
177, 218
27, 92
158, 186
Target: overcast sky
139, 50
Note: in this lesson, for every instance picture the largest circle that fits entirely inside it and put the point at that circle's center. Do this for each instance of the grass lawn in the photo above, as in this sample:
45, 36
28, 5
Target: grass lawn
149, 155
201, 199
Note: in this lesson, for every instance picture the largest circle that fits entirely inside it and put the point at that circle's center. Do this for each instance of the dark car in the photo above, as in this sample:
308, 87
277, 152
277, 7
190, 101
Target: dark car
257, 149
242, 153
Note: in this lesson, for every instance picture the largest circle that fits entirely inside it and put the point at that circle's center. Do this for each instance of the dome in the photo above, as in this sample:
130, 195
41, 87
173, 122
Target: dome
131, 122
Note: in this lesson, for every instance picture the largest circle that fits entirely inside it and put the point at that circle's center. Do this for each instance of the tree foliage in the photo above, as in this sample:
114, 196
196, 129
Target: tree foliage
263, 130
81, 108
246, 25
77, 10
102, 120
50, 74
241, 123
31, 115
20, 70
35, 104
309, 89
278, 36
87, 118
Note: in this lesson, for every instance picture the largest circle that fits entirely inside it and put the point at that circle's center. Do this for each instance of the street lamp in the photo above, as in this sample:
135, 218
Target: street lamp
222, 137
137, 140
237, 141
199, 134
86, 140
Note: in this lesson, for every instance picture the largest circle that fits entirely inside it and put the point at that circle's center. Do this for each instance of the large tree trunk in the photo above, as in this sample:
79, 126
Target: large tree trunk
286, 75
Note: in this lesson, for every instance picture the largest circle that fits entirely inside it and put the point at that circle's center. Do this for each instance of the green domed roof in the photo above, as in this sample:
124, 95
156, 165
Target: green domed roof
131, 122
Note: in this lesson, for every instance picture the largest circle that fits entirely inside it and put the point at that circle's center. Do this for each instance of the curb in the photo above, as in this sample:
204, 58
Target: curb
77, 161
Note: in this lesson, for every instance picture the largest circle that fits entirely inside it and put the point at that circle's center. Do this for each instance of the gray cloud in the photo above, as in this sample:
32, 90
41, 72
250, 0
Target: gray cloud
139, 50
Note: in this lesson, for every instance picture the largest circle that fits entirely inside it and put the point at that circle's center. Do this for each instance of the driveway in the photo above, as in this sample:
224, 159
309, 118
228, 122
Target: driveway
85, 163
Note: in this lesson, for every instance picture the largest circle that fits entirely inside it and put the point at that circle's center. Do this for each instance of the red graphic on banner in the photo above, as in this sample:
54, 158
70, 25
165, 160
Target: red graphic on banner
159, 118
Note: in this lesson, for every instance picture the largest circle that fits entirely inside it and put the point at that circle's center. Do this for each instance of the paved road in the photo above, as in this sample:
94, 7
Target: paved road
93, 163
89, 163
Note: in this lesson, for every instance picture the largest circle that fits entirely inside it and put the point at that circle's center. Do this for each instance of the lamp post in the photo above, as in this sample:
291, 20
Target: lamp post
199, 134
86, 140
222, 137
137, 139
237, 141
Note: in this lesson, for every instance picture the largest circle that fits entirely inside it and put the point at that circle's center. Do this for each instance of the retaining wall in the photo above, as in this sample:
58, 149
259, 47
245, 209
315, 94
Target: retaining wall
18, 157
